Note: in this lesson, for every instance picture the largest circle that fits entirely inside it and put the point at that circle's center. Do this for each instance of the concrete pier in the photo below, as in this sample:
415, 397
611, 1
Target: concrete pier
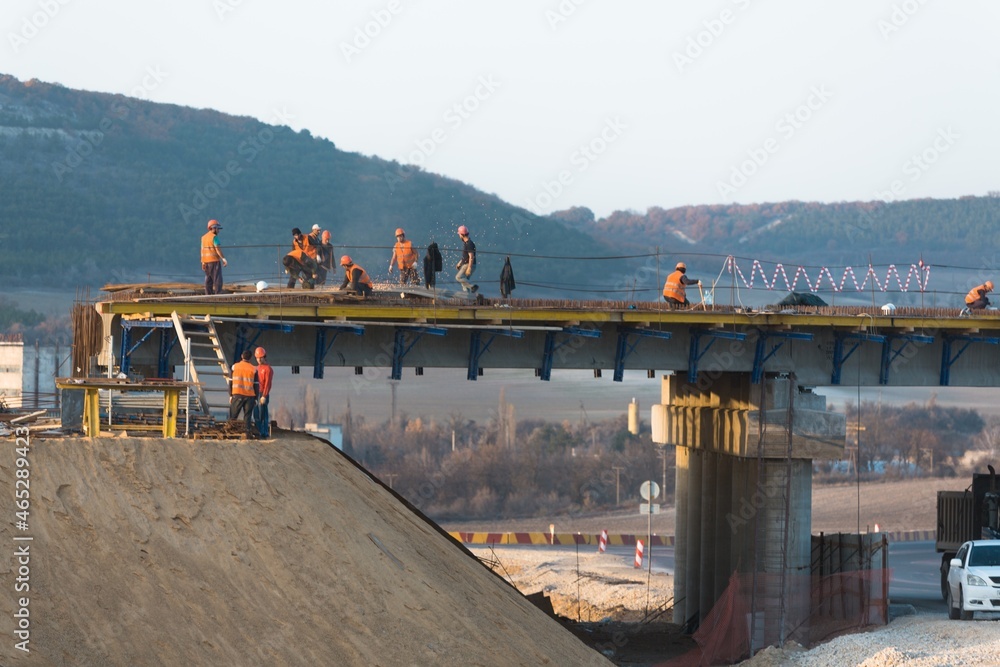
744, 457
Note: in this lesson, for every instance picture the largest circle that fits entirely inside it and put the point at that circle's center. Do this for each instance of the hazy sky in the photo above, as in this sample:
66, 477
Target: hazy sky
551, 104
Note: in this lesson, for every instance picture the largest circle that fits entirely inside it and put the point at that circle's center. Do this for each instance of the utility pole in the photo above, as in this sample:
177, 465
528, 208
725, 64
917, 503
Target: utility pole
662, 453
617, 469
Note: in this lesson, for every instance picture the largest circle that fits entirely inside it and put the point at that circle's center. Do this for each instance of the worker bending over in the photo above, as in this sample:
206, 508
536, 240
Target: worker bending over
355, 277
675, 289
976, 298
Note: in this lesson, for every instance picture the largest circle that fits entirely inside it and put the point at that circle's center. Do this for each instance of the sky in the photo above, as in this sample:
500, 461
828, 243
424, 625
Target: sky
551, 104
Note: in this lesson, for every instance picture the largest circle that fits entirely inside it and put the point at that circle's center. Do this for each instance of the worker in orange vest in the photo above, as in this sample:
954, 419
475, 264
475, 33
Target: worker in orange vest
298, 263
405, 257
212, 260
355, 277
675, 289
976, 298
242, 391
265, 375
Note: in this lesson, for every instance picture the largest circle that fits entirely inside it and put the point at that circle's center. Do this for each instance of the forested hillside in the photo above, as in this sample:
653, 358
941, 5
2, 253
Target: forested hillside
96, 187
99, 188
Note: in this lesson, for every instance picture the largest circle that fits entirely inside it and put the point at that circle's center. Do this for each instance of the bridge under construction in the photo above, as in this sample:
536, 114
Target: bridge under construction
737, 400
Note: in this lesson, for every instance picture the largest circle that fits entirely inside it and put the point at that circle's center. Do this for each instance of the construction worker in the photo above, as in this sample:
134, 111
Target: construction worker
299, 265
212, 260
265, 375
405, 257
674, 290
976, 298
325, 259
355, 278
242, 392
467, 265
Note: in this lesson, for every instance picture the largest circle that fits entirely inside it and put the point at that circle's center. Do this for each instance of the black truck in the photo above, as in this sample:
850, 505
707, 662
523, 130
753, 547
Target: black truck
966, 515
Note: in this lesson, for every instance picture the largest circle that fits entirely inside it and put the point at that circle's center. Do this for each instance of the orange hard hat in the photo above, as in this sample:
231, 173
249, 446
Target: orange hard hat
680, 265
326, 236
400, 232
346, 260
989, 285
212, 224
463, 230
260, 353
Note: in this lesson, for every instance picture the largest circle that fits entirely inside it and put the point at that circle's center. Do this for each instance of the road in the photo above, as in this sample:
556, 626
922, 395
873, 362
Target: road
915, 575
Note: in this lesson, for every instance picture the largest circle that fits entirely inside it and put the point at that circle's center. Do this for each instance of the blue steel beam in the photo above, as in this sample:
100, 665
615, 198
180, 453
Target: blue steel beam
551, 346
623, 349
760, 358
322, 347
947, 360
478, 349
695, 352
838, 350
400, 348
889, 355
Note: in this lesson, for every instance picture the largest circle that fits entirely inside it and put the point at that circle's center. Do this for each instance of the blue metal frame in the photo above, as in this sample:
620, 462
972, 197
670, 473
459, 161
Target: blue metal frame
126, 349
551, 346
694, 356
947, 360
241, 335
322, 347
889, 355
168, 338
400, 348
759, 358
838, 350
623, 349
477, 348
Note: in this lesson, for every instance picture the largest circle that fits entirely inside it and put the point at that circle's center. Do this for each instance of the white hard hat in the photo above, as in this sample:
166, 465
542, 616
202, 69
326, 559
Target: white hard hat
888, 309
315, 228
261, 286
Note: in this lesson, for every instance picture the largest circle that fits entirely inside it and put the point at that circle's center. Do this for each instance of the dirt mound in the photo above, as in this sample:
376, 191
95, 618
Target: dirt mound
156, 552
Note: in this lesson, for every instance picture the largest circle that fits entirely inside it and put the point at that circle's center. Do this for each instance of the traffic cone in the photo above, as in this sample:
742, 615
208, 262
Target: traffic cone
602, 543
638, 553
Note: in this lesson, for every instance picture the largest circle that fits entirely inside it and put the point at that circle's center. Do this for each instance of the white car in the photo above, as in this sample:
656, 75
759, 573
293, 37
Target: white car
974, 579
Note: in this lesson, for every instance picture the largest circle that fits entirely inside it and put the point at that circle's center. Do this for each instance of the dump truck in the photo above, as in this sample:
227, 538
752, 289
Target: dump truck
966, 515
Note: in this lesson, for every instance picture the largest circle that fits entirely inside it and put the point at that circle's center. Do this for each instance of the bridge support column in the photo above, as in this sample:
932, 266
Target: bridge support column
744, 494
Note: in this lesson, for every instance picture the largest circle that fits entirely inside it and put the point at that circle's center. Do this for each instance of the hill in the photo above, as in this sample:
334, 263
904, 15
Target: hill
166, 552
98, 188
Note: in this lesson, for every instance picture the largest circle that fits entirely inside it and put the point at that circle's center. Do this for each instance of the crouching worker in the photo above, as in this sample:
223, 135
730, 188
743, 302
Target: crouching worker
976, 299
355, 277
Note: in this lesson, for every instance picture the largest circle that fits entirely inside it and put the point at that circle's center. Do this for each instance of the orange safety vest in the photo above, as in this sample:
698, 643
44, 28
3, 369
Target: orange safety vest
406, 256
209, 251
243, 375
674, 287
364, 279
306, 246
975, 294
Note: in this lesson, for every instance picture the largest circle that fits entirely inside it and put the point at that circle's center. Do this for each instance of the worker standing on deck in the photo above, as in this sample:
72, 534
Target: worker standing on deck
467, 265
212, 260
674, 290
355, 277
405, 257
241, 391
265, 375
325, 258
976, 299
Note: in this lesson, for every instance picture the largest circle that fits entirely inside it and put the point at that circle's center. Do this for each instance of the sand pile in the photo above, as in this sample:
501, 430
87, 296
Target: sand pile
156, 552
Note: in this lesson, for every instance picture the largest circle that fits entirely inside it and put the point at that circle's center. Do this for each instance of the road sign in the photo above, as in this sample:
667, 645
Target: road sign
649, 490
644, 508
